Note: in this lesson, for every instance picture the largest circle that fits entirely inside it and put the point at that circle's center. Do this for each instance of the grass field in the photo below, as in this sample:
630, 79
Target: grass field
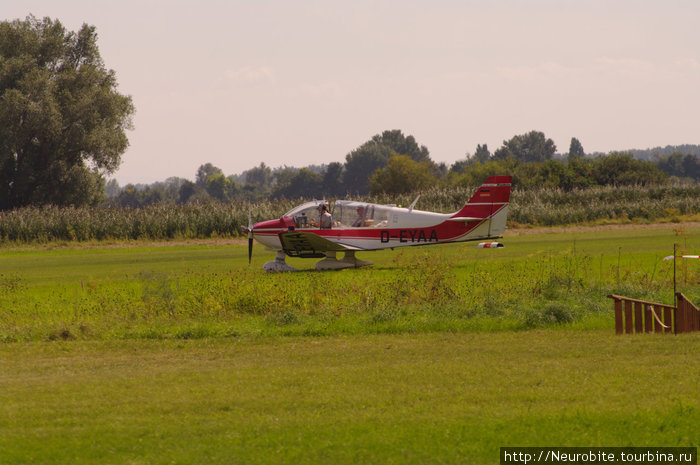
181, 353
208, 290
421, 398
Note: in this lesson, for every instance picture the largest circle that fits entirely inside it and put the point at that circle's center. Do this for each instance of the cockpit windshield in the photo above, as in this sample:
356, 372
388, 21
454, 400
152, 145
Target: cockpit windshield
306, 215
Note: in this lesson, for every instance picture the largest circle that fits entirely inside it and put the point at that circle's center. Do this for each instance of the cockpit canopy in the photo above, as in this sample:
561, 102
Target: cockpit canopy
307, 214
345, 214
354, 214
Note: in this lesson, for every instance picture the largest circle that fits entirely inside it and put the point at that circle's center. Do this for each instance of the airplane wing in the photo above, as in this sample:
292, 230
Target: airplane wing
309, 245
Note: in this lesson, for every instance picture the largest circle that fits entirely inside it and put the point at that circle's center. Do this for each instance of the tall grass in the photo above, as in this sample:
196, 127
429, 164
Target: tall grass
196, 291
545, 206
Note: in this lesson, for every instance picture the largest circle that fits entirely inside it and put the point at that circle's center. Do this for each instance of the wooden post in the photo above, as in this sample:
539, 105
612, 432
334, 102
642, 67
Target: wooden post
668, 320
680, 314
638, 318
618, 316
648, 323
628, 317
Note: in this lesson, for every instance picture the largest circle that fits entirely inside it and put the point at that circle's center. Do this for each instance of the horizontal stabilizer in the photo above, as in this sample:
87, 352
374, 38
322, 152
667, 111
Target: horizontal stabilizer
465, 219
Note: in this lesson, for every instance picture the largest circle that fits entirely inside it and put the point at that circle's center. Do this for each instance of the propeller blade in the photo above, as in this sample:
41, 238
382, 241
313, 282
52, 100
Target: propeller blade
250, 236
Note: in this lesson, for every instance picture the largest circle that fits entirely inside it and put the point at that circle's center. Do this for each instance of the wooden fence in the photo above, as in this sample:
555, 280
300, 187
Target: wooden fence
687, 315
640, 316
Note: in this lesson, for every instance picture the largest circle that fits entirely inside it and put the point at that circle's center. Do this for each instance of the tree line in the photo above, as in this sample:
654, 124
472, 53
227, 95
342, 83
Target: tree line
393, 163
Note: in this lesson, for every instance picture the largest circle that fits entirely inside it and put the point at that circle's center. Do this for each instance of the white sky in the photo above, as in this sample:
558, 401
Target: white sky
287, 82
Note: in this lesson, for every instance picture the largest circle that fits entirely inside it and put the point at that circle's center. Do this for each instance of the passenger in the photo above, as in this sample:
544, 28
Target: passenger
326, 220
360, 220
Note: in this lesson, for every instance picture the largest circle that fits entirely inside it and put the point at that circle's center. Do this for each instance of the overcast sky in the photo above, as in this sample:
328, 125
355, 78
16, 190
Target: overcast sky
285, 82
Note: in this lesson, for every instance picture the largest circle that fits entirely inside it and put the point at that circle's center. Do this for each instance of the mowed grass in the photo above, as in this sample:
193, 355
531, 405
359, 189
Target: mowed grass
407, 398
209, 290
442, 354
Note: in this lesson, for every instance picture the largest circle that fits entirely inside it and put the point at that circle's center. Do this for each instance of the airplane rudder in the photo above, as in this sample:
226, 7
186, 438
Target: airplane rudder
499, 187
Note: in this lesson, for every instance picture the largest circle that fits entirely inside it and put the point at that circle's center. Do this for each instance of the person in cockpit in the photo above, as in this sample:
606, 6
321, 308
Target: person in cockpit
360, 220
326, 220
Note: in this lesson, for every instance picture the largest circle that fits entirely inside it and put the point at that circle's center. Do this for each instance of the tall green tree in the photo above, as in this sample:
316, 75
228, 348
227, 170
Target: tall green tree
576, 149
482, 154
374, 154
680, 165
305, 183
260, 177
333, 184
622, 169
402, 175
62, 121
533, 146
219, 186
204, 172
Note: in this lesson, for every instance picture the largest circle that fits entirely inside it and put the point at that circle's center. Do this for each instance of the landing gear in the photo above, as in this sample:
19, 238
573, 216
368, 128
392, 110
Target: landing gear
329, 263
278, 264
348, 261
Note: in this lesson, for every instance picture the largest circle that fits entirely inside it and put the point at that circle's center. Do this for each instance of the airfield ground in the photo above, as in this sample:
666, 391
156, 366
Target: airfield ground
419, 398
105, 359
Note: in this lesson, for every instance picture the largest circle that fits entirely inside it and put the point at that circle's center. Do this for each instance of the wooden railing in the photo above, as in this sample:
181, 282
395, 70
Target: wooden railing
687, 316
640, 316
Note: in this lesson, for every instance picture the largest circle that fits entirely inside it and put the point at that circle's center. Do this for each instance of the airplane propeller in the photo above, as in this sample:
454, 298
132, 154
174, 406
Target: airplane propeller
250, 237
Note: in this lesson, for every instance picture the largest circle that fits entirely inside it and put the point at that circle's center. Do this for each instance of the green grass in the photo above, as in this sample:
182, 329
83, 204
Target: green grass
442, 354
196, 291
421, 398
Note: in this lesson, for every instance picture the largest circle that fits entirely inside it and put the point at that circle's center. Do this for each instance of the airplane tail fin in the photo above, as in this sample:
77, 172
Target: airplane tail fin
489, 202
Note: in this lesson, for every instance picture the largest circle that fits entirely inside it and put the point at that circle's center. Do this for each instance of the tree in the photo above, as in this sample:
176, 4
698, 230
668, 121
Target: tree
576, 149
332, 184
620, 169
374, 154
204, 172
529, 147
402, 175
361, 163
62, 121
482, 154
186, 191
680, 165
259, 177
218, 186
304, 184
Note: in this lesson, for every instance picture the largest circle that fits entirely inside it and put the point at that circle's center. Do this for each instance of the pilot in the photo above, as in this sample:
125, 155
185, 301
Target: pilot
325, 221
359, 221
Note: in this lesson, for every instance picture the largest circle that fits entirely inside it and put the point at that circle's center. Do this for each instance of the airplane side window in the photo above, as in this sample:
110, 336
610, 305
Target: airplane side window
361, 213
381, 217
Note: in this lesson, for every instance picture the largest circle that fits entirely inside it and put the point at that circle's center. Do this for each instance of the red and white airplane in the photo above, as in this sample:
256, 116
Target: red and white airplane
307, 231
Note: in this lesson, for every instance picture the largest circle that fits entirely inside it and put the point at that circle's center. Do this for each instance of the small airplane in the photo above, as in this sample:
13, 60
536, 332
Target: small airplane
312, 230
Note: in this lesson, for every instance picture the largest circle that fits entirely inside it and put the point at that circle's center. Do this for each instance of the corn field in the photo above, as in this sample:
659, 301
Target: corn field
543, 207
